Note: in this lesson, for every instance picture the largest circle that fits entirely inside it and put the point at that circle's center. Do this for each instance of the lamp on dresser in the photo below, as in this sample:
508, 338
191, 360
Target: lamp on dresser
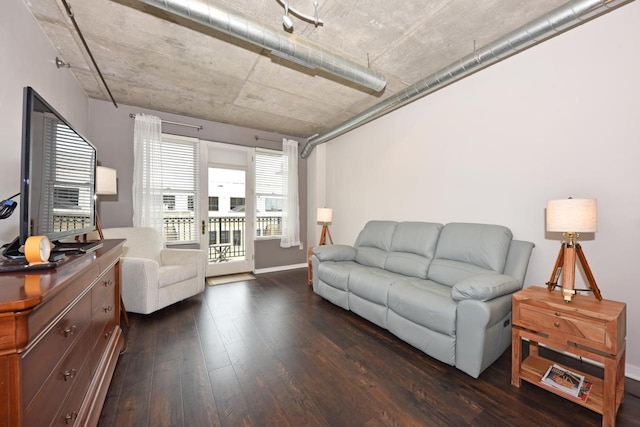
571, 217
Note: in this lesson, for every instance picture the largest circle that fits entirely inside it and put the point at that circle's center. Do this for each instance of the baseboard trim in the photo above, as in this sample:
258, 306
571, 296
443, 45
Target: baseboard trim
279, 268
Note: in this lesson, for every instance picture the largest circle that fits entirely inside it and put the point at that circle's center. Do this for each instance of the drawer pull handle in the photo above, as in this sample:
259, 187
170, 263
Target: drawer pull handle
70, 418
108, 282
107, 309
69, 374
69, 330
558, 314
556, 324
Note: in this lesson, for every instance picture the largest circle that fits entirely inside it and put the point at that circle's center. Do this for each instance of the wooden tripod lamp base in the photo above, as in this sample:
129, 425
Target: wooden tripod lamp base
323, 235
566, 265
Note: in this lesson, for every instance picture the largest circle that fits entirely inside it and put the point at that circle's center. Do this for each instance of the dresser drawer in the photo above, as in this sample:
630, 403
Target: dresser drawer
103, 289
103, 321
551, 322
68, 414
39, 360
68, 375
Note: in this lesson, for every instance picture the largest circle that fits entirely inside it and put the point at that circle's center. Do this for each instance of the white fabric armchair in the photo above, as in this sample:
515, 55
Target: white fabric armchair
153, 276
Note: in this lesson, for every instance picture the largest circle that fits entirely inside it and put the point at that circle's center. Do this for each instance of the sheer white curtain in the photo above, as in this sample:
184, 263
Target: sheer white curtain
147, 172
290, 206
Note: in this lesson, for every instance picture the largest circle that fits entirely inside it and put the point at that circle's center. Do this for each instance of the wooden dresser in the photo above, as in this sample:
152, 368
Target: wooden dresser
60, 339
584, 327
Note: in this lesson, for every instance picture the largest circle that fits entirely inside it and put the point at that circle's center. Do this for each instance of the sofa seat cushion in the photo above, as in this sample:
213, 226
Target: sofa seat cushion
449, 273
372, 284
425, 303
336, 274
172, 274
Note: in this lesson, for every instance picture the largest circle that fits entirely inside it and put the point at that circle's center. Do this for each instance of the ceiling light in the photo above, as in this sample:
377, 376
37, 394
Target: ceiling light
286, 19
288, 22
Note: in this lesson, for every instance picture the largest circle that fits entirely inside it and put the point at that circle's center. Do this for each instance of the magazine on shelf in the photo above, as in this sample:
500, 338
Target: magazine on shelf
563, 379
585, 389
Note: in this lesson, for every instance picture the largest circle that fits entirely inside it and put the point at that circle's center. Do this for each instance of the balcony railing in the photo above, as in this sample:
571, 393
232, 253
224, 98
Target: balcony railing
228, 232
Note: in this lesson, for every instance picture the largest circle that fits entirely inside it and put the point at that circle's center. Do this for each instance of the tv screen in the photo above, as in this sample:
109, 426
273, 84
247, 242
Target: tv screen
58, 174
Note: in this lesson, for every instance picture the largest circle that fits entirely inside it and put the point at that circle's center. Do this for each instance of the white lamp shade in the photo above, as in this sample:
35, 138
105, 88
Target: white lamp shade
325, 214
572, 215
106, 181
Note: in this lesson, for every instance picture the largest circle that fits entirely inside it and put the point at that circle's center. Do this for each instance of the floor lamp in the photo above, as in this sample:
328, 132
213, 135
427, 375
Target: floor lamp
324, 216
106, 185
570, 217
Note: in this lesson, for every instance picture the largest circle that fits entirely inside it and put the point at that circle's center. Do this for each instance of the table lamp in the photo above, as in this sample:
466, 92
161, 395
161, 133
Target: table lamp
106, 185
570, 217
324, 216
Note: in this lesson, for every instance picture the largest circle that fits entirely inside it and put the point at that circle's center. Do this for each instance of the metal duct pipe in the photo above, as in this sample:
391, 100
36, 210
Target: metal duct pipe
285, 45
553, 23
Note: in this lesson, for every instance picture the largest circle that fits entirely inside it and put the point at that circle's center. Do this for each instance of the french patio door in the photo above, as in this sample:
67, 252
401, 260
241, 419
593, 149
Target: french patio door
227, 208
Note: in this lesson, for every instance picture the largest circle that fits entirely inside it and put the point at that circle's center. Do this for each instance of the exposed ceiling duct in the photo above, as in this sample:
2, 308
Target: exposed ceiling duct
283, 45
553, 23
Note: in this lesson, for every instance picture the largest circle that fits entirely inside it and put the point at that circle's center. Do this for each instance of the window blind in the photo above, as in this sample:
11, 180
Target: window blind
178, 162
271, 187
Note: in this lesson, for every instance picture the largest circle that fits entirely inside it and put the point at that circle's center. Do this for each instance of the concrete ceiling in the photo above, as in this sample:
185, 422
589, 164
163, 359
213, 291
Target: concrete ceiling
152, 60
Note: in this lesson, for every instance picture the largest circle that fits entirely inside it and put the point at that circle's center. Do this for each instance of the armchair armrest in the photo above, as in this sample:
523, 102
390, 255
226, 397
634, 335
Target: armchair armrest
335, 252
182, 256
484, 287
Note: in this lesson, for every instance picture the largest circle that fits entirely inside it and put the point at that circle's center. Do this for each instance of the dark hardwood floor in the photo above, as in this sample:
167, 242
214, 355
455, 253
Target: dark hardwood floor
269, 352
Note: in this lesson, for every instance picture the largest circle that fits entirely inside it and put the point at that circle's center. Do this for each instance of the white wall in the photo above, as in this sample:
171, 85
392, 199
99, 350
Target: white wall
28, 59
558, 120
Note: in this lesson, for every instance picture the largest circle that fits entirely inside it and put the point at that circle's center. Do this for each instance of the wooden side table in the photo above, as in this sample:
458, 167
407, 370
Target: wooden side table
310, 270
584, 327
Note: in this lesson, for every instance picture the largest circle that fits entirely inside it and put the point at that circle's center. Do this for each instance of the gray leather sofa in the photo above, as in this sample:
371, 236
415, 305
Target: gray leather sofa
445, 289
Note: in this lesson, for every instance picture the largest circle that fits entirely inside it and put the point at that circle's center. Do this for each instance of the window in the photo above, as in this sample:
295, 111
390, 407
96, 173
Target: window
236, 204
179, 160
271, 187
169, 202
272, 204
213, 203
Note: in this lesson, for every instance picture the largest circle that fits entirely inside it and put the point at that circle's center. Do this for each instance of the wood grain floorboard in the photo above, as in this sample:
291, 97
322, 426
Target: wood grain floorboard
269, 352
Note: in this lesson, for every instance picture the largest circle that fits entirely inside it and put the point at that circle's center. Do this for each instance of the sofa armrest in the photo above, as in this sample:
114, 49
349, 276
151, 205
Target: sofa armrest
484, 287
335, 252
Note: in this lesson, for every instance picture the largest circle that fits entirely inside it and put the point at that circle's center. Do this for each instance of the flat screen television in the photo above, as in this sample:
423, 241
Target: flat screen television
57, 189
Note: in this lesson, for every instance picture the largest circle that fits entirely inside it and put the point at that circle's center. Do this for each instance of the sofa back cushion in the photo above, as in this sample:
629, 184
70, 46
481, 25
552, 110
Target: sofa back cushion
412, 248
374, 242
467, 249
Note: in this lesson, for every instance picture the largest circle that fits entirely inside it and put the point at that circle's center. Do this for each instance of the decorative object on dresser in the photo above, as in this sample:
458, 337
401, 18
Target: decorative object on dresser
589, 328
570, 217
60, 339
106, 185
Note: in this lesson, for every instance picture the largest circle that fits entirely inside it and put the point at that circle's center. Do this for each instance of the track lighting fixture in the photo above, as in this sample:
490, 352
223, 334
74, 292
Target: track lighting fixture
288, 22
286, 19
61, 64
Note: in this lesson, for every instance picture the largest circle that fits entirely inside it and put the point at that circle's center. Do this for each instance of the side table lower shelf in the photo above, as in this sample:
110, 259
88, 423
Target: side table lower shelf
589, 328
